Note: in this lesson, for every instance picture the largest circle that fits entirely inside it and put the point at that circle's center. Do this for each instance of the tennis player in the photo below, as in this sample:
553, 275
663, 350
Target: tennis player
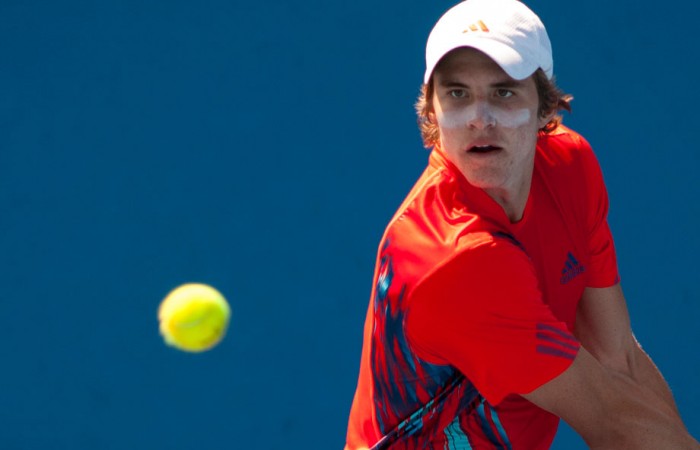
496, 306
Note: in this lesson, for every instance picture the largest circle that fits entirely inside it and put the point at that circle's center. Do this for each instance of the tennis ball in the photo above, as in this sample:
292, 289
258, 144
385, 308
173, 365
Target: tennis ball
193, 317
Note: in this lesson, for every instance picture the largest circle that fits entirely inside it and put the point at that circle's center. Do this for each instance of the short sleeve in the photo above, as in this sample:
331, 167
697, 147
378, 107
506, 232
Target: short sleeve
483, 313
602, 270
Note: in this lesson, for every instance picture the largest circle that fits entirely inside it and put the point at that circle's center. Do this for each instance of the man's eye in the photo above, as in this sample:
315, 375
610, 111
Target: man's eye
458, 93
504, 93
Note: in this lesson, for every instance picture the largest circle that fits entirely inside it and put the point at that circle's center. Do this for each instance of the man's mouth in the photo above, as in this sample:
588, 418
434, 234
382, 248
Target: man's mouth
483, 149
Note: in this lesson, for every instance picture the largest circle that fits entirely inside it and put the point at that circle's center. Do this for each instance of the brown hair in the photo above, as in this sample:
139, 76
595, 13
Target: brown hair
551, 99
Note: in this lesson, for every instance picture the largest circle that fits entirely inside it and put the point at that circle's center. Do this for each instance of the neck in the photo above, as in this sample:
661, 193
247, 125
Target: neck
512, 199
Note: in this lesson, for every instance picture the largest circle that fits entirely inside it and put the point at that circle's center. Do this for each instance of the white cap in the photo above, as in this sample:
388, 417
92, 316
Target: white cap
505, 30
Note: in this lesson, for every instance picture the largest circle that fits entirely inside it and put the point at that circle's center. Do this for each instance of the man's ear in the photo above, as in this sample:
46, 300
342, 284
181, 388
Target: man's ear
431, 116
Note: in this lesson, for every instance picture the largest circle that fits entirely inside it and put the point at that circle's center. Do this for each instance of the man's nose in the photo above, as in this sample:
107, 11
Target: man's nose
482, 116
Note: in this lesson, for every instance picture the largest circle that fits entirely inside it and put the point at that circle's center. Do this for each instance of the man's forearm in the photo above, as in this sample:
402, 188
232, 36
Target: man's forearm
611, 410
639, 418
648, 375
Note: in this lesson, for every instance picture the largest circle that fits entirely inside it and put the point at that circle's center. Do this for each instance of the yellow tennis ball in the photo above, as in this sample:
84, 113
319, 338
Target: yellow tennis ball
193, 317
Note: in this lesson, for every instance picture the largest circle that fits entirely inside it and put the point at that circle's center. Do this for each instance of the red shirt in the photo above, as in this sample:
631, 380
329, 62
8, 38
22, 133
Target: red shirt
469, 310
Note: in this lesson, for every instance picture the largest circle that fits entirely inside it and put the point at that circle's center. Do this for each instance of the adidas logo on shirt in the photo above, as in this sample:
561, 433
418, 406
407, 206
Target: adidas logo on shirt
572, 268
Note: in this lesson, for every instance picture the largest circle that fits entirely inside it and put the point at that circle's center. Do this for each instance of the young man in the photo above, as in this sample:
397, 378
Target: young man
496, 307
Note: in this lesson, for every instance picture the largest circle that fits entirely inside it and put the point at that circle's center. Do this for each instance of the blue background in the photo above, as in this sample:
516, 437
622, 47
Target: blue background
262, 147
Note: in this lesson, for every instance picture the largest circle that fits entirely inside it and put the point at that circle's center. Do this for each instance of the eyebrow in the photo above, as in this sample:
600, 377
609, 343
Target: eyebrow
506, 83
510, 83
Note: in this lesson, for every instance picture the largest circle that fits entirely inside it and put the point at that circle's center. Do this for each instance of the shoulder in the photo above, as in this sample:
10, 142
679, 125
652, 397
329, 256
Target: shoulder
434, 214
567, 163
564, 147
